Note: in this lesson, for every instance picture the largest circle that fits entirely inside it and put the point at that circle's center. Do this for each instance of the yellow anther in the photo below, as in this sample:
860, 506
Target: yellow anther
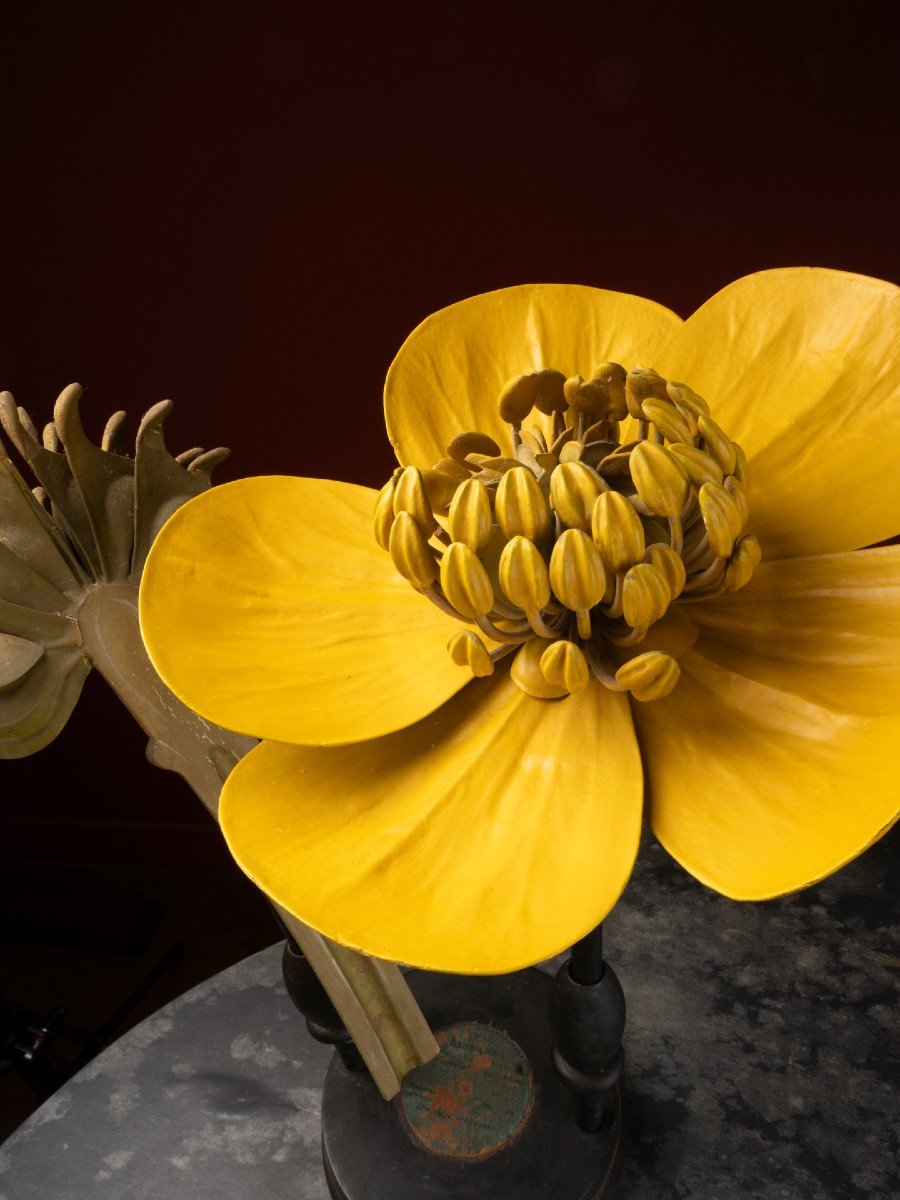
640, 384
669, 565
564, 664
613, 375
549, 396
649, 676
721, 516
577, 574
752, 548
470, 519
645, 595
472, 443
523, 575
617, 532
411, 497
688, 403
521, 506
516, 399
527, 674
741, 467
384, 515
465, 582
543, 390
660, 479
718, 444
412, 556
440, 488
742, 564
700, 467
483, 523
586, 396
668, 420
739, 493
574, 488
468, 650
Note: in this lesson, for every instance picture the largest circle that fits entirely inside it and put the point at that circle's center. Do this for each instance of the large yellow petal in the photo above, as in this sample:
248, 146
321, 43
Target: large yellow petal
490, 835
268, 607
800, 367
774, 761
447, 376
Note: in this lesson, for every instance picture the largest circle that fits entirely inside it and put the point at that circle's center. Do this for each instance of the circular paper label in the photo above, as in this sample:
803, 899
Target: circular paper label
474, 1098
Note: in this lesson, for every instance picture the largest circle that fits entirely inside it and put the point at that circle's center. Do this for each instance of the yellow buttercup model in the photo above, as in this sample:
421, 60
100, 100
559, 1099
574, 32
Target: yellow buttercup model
621, 565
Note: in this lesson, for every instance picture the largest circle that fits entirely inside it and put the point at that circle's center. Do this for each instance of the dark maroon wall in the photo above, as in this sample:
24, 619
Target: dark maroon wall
246, 208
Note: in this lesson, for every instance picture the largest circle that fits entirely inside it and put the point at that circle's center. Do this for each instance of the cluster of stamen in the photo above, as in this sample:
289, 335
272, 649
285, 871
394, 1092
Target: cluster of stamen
574, 545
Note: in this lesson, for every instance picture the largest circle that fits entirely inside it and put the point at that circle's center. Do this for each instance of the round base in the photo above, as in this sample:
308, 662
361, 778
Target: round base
488, 1118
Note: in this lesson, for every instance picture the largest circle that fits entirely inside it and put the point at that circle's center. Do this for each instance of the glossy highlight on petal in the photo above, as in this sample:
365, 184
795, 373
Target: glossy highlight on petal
268, 607
492, 834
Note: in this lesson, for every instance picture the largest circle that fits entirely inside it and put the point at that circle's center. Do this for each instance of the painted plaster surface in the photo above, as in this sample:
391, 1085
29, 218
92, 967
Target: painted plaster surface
757, 1064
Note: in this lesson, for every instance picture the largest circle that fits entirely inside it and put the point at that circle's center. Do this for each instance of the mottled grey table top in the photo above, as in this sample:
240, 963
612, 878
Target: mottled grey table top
757, 1064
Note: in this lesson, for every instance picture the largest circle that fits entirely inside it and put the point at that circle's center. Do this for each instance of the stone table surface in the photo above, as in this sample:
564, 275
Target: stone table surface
757, 1065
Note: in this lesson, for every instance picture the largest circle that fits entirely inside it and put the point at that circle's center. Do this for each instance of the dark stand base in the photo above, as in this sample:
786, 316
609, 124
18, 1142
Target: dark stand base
490, 1118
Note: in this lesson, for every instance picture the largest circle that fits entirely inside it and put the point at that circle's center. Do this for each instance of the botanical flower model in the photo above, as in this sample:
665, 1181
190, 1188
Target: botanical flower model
643, 538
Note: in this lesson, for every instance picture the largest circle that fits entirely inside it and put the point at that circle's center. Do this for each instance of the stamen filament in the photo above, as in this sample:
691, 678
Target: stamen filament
711, 575
509, 636
507, 612
502, 651
701, 560
708, 594
601, 666
436, 596
628, 639
540, 626
615, 609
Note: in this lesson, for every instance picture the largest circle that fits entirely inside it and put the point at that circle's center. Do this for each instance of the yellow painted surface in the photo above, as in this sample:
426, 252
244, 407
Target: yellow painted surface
450, 371
268, 607
799, 366
485, 833
774, 760
488, 836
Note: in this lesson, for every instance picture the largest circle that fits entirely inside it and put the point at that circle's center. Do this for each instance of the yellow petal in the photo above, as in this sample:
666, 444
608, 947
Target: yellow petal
268, 607
826, 628
450, 371
799, 366
774, 761
490, 835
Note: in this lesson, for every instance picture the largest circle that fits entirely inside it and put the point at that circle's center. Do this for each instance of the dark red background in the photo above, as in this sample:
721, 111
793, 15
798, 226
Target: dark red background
246, 208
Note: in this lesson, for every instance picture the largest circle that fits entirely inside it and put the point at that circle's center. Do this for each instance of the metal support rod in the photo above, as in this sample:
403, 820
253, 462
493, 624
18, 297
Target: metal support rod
586, 963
